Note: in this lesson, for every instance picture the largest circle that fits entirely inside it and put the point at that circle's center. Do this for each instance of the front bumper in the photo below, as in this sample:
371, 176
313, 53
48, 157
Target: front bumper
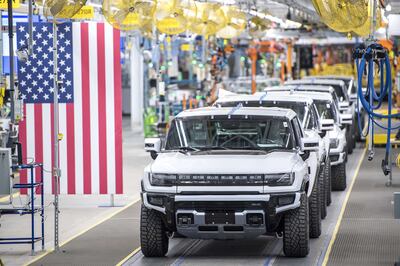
189, 214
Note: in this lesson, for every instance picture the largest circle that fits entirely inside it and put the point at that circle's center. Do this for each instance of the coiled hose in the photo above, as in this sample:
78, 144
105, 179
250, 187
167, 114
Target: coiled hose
371, 100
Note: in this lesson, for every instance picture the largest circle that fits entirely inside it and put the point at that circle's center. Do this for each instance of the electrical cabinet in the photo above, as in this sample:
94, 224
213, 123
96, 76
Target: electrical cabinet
5, 171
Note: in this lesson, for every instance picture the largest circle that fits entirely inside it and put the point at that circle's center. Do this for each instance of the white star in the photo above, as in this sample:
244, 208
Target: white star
62, 76
44, 28
67, 55
62, 89
69, 96
59, 97
34, 28
45, 83
28, 63
22, 69
51, 76
67, 42
28, 77
67, 29
29, 89
21, 28
21, 42
46, 97
26, 35
23, 97
68, 83
34, 69
39, 35
34, 96
50, 49
34, 56
40, 89
51, 90
62, 62
45, 56
45, 69
23, 83
34, 83
40, 76
62, 49
61, 35
68, 69
39, 49
51, 62
39, 62
50, 35
34, 42
58, 42
44, 42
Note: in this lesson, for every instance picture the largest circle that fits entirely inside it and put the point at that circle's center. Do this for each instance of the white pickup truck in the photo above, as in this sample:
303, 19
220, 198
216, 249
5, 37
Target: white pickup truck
229, 173
333, 123
307, 113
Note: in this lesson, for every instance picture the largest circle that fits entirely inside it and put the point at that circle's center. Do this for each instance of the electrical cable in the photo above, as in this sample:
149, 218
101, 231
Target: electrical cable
371, 100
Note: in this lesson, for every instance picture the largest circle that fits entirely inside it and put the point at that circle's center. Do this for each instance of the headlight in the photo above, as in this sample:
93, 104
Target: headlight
273, 180
333, 143
163, 180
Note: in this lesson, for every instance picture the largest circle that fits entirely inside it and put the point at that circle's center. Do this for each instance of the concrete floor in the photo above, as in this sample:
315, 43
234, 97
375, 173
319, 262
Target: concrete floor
78, 212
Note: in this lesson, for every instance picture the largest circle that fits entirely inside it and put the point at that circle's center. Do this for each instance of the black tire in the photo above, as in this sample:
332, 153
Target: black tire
153, 234
328, 182
314, 207
322, 192
339, 182
349, 140
296, 238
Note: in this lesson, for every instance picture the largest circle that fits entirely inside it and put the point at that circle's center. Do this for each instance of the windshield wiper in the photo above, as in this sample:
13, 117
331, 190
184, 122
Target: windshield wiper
186, 149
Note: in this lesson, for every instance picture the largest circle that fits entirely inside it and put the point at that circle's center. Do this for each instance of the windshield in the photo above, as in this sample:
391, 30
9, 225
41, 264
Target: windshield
339, 90
235, 133
326, 110
298, 107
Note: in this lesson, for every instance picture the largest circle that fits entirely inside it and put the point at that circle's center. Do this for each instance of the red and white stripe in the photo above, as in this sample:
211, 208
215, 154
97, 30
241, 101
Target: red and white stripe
91, 149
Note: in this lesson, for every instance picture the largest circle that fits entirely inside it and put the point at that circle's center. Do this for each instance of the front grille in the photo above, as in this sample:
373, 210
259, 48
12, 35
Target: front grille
220, 180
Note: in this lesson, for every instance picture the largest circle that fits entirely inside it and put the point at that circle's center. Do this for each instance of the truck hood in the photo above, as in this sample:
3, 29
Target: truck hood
179, 163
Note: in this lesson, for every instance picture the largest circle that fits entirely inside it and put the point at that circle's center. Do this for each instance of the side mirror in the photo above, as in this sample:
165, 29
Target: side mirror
309, 144
353, 97
343, 106
346, 119
327, 124
152, 145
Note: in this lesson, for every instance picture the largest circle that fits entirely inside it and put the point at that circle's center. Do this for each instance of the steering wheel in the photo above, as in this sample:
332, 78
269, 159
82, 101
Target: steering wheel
240, 137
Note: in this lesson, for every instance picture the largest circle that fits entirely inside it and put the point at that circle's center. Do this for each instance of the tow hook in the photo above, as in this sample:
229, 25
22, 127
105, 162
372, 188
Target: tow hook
279, 235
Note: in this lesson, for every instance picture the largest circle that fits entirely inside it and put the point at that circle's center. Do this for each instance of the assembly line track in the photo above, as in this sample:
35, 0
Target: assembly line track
116, 241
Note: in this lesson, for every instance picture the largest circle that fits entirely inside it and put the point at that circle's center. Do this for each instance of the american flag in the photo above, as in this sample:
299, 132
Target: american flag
90, 105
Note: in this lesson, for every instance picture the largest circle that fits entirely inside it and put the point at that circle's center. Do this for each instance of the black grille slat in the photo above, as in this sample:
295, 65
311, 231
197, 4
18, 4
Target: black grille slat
220, 180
